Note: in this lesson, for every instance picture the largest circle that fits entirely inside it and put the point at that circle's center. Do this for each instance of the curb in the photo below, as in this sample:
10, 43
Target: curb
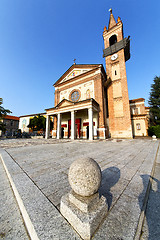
41, 218
142, 215
27, 221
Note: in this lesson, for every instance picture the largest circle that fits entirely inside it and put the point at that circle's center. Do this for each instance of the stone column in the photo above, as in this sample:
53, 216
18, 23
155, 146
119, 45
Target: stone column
90, 116
72, 125
58, 126
47, 126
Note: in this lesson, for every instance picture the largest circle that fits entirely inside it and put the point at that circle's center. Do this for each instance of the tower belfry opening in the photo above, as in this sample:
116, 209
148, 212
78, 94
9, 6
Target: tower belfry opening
112, 40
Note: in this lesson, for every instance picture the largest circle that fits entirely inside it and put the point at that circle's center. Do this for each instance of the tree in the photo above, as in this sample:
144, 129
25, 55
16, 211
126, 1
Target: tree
3, 112
33, 123
38, 123
154, 102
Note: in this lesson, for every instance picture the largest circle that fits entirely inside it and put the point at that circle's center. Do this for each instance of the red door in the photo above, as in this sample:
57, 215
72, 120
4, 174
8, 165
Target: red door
77, 127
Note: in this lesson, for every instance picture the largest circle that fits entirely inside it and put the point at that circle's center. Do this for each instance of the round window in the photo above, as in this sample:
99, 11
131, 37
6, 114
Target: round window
75, 96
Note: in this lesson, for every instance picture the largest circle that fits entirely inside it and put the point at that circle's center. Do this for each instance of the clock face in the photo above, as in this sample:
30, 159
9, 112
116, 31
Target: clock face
114, 56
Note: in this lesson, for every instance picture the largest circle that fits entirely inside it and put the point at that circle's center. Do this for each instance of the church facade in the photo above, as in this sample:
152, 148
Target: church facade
90, 104
80, 103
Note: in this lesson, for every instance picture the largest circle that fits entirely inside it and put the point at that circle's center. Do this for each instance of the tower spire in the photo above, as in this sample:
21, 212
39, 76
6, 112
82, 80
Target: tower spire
112, 21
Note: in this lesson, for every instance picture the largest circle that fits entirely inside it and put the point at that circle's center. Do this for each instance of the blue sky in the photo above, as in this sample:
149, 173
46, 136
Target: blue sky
40, 38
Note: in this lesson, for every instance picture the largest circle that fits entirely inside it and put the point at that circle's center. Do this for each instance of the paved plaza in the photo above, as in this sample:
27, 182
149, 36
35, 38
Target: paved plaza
38, 170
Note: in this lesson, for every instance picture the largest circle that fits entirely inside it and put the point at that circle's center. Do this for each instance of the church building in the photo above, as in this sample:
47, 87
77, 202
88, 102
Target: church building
91, 103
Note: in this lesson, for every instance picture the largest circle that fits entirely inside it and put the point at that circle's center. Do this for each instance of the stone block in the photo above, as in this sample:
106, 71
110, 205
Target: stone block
85, 204
85, 223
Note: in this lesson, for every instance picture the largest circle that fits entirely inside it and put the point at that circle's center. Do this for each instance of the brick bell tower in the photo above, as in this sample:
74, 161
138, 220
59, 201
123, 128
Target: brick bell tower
116, 53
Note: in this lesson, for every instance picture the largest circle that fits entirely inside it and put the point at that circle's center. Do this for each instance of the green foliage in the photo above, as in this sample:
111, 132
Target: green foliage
2, 127
154, 130
154, 102
38, 123
3, 112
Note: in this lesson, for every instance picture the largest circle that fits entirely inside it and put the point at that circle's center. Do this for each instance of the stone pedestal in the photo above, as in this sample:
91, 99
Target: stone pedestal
54, 133
84, 214
82, 207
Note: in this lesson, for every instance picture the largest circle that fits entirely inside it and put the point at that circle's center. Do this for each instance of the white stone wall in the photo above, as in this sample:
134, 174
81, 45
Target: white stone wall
83, 90
75, 72
139, 132
23, 123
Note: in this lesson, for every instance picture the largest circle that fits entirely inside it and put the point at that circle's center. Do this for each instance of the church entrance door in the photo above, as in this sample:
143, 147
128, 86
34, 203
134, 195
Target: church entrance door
87, 130
62, 132
77, 128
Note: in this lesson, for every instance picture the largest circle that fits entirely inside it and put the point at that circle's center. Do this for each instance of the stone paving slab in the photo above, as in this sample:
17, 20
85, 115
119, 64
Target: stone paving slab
23, 142
42, 219
11, 222
41, 177
151, 227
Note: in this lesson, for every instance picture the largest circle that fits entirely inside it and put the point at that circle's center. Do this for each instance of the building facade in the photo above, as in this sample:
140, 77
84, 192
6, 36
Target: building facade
11, 125
139, 117
80, 103
24, 121
91, 103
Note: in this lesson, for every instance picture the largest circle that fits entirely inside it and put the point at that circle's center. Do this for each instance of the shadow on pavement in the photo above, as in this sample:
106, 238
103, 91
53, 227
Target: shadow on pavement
110, 176
152, 213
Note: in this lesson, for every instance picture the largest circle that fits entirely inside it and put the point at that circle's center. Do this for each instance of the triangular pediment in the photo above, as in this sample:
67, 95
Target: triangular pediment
74, 71
64, 103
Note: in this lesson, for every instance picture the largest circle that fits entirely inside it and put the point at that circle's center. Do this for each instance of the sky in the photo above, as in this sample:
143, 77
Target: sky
40, 38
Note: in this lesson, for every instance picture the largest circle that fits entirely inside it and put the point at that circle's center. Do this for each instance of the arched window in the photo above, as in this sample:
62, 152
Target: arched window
88, 94
112, 40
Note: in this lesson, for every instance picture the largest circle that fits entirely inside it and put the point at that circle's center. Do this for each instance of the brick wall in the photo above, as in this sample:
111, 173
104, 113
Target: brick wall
99, 97
118, 100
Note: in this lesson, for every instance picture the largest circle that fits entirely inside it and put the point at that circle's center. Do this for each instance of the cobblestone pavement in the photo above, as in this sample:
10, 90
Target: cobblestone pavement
126, 167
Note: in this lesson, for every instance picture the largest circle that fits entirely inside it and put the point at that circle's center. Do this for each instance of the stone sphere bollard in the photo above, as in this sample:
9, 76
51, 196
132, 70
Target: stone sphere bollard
154, 137
85, 176
83, 208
